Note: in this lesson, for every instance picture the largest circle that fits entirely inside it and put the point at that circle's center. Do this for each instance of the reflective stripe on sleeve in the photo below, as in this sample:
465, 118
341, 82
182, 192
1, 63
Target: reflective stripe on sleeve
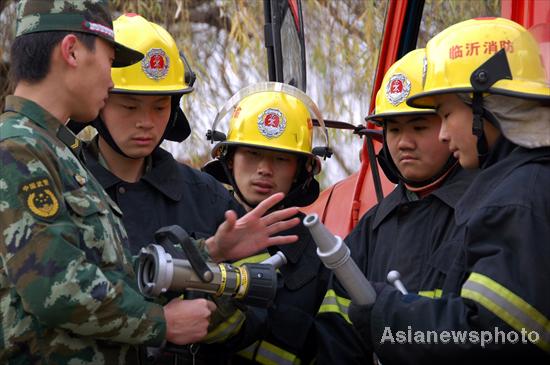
269, 354
332, 303
509, 307
226, 329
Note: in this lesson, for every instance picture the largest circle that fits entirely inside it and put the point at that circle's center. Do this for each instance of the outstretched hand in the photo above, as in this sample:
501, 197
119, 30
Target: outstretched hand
238, 238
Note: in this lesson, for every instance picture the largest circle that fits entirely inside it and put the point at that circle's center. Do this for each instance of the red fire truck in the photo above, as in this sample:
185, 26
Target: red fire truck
341, 205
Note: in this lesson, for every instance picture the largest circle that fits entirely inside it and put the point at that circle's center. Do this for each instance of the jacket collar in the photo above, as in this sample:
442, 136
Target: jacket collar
45, 120
449, 193
34, 112
162, 173
507, 158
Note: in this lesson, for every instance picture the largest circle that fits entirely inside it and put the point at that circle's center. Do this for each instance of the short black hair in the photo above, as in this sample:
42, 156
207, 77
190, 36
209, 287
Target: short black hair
31, 53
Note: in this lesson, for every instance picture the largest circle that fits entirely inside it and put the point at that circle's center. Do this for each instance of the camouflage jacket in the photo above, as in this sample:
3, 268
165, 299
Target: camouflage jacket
68, 291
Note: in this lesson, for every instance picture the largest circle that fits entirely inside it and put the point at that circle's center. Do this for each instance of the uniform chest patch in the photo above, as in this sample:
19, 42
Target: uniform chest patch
39, 198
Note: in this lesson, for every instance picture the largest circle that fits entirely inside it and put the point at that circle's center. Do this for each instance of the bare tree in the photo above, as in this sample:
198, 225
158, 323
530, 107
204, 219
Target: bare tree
223, 40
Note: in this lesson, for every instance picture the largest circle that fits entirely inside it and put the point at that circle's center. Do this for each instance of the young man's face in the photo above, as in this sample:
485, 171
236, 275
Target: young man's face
137, 122
456, 129
94, 79
260, 173
414, 146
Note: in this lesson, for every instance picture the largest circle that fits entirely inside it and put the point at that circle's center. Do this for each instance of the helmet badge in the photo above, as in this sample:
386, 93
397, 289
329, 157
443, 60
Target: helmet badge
155, 64
398, 89
271, 123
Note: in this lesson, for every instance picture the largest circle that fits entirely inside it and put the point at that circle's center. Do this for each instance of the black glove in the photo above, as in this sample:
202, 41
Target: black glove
360, 316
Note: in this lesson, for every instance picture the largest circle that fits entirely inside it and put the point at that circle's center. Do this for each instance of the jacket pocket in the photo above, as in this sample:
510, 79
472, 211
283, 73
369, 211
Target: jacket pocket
84, 203
99, 231
444, 265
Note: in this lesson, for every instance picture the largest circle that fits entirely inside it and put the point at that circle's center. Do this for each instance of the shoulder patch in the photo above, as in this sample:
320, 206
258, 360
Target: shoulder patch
39, 198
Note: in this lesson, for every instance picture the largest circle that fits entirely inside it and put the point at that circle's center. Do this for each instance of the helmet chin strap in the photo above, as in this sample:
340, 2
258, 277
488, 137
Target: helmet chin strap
234, 184
103, 131
477, 128
296, 190
413, 184
482, 79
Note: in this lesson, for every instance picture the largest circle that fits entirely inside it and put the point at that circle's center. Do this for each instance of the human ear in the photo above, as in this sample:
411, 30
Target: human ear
69, 46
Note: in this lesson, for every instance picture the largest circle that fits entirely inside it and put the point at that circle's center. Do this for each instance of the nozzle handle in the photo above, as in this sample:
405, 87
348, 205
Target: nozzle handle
394, 278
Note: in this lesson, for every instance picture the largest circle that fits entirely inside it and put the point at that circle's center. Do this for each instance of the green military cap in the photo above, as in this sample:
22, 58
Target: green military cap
84, 16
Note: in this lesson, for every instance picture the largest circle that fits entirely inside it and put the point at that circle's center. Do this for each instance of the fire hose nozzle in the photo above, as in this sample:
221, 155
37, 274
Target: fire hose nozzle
334, 253
160, 272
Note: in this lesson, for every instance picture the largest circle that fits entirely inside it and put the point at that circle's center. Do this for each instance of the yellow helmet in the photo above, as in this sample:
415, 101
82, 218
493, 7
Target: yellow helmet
276, 116
161, 71
465, 58
271, 115
402, 80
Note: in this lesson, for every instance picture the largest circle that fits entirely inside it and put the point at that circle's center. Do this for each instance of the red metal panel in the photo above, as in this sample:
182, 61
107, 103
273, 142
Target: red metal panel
535, 16
341, 205
526, 12
293, 5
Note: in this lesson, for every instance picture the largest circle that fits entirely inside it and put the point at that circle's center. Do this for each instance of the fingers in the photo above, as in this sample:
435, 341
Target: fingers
282, 226
211, 306
267, 204
224, 229
229, 223
279, 215
230, 216
187, 320
279, 240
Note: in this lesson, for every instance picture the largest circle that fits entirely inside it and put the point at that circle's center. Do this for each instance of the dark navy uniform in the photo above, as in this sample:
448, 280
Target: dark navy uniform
416, 237
168, 193
285, 332
499, 281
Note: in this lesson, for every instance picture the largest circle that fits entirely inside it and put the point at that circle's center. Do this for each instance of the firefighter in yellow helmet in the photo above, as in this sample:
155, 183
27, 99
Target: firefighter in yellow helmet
486, 80
143, 110
275, 121
269, 149
151, 188
395, 235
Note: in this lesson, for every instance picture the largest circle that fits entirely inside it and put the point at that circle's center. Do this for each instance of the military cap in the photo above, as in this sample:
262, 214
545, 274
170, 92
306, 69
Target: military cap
83, 16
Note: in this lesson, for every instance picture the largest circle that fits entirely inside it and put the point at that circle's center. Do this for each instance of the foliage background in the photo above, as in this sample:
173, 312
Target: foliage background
223, 40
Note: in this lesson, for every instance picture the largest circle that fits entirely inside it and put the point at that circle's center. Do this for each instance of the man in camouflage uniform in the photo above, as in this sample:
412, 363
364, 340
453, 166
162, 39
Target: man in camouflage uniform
68, 292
